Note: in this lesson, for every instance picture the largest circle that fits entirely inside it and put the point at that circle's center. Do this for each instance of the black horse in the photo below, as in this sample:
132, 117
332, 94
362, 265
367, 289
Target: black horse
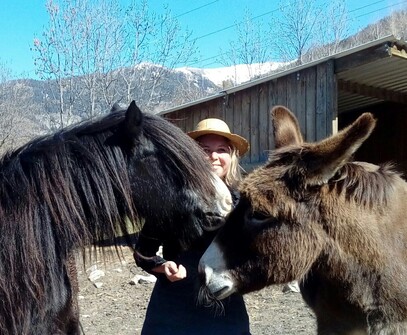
84, 184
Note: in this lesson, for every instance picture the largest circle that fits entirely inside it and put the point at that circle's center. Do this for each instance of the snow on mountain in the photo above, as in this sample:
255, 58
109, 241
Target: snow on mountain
236, 74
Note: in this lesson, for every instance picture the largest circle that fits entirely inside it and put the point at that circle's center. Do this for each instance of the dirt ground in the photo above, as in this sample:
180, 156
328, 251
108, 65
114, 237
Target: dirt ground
118, 307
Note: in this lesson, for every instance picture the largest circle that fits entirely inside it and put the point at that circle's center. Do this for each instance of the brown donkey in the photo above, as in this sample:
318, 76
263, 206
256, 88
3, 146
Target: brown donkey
339, 227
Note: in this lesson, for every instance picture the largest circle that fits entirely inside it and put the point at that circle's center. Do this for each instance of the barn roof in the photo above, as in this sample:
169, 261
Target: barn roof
372, 75
367, 74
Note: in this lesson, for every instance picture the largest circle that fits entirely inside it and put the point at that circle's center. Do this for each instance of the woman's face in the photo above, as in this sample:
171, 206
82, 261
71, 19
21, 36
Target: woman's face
218, 150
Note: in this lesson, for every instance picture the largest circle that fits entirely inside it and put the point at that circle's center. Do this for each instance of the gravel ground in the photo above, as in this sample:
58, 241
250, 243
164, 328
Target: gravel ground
118, 307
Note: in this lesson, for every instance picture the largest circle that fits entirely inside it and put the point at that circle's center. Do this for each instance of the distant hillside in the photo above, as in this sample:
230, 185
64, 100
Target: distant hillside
176, 87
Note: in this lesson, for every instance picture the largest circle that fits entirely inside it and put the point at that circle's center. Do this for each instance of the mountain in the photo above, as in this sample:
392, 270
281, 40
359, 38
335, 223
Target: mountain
236, 74
32, 107
153, 87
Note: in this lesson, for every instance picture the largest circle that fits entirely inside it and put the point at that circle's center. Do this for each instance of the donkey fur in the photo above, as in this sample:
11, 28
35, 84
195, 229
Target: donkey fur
338, 226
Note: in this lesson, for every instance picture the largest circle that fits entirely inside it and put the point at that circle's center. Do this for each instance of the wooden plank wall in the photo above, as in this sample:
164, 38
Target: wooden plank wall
310, 93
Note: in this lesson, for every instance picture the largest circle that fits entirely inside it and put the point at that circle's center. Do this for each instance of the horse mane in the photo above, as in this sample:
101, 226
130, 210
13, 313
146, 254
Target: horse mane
183, 155
76, 163
70, 175
65, 190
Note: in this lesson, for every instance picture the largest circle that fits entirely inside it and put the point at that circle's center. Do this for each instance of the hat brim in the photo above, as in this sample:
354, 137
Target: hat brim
239, 142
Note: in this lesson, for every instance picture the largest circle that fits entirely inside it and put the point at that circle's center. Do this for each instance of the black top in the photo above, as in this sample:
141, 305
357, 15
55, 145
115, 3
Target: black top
173, 308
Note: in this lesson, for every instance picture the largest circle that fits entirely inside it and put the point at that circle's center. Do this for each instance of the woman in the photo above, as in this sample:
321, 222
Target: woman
173, 307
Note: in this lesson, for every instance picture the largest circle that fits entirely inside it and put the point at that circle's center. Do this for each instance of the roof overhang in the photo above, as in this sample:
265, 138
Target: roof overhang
372, 75
367, 74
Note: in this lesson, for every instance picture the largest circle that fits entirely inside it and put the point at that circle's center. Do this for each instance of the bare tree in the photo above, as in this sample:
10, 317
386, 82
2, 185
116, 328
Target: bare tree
151, 39
16, 125
77, 53
295, 29
393, 24
398, 23
331, 29
55, 61
95, 54
6, 120
98, 47
251, 47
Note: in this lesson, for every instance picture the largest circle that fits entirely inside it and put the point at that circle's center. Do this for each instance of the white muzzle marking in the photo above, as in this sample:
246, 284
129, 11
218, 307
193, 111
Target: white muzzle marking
217, 279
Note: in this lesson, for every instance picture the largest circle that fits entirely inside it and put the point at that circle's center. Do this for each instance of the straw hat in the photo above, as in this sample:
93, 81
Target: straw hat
219, 127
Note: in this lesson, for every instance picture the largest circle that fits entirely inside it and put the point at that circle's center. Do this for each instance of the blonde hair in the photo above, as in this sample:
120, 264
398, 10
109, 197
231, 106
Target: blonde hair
234, 175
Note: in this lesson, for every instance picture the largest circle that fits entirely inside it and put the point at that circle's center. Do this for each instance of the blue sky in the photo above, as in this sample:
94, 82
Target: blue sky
22, 20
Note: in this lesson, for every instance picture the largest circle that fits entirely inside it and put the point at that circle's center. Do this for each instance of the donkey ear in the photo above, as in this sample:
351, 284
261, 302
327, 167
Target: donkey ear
133, 120
286, 129
323, 159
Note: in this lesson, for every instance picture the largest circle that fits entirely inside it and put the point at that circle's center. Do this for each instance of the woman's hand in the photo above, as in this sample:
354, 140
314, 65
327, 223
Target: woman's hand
173, 271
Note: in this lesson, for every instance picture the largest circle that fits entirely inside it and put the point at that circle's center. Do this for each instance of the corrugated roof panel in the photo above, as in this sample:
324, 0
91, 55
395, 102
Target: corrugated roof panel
388, 75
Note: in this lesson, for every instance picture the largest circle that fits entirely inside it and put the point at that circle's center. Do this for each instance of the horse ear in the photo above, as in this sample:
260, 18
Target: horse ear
129, 129
286, 129
117, 107
133, 120
323, 159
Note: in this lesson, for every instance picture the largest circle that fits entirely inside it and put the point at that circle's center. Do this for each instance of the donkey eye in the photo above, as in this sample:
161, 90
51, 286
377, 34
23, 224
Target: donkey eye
258, 217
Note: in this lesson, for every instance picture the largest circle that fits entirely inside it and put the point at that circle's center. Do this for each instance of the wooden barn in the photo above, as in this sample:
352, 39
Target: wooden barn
326, 95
